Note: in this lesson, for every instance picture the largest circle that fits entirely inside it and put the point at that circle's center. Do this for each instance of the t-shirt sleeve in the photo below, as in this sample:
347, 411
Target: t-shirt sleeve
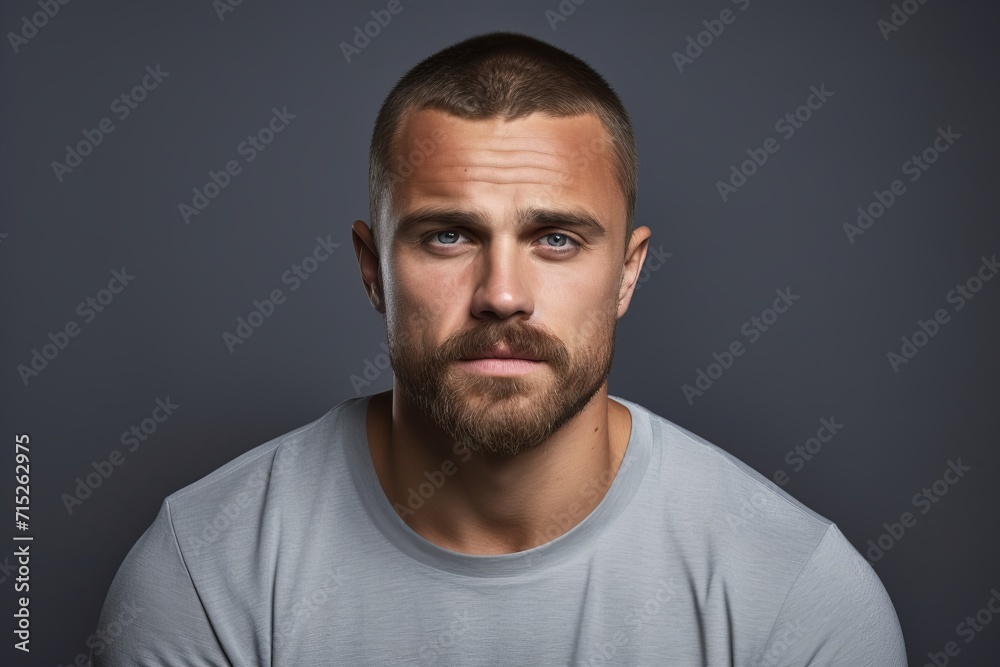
152, 615
837, 612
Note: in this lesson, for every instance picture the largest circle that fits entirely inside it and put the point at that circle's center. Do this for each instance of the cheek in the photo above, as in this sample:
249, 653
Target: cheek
424, 306
589, 320
416, 281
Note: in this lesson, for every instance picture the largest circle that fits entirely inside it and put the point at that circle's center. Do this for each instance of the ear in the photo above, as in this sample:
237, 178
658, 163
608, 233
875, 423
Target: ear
368, 262
635, 257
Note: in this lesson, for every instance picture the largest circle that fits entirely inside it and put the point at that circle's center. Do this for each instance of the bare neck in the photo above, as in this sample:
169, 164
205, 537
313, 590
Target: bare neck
465, 502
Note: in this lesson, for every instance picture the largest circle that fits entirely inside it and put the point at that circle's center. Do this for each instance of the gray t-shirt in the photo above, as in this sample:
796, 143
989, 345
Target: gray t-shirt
291, 554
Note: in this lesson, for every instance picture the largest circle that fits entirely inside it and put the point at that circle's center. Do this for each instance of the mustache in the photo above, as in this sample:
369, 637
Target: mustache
520, 338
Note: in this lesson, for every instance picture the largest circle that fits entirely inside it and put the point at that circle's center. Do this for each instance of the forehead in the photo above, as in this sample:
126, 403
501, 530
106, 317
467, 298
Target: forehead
537, 160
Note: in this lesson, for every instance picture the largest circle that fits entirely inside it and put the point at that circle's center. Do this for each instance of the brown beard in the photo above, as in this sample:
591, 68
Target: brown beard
503, 416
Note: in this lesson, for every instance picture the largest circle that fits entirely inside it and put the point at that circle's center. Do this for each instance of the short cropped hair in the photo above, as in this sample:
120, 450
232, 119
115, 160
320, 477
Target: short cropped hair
506, 75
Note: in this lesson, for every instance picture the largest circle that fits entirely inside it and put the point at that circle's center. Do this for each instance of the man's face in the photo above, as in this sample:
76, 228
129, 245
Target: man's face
487, 253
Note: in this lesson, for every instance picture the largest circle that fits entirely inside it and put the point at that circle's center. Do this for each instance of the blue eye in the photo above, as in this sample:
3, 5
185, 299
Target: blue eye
563, 242
437, 236
563, 236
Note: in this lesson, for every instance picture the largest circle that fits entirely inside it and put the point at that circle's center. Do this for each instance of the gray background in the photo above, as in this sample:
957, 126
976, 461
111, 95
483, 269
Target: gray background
162, 336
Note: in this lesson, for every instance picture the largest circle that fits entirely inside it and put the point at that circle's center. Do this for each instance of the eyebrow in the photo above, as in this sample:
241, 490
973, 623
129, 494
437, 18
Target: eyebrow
571, 219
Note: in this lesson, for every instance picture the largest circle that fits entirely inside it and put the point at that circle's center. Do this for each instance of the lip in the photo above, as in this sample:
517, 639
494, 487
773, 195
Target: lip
500, 365
503, 353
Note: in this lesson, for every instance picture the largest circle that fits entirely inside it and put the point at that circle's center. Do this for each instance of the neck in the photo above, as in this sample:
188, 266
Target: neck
480, 504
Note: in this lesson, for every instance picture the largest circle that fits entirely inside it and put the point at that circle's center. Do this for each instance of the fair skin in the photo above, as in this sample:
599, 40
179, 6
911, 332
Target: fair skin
447, 283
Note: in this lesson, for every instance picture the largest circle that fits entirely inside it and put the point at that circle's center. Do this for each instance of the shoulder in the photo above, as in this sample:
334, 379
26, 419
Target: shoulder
730, 499
198, 557
782, 560
216, 522
254, 461
213, 503
837, 612
228, 499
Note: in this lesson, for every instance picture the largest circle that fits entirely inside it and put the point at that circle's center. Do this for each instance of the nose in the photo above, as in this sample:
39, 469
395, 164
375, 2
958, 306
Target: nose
503, 282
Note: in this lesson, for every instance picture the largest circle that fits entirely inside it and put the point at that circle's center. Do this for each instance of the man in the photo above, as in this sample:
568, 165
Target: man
497, 506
